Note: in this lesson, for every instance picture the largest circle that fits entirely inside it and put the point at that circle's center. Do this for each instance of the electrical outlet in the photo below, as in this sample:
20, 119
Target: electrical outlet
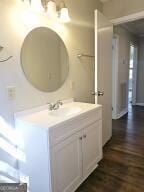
11, 93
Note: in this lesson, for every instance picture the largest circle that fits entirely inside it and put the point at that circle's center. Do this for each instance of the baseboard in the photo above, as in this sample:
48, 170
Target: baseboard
140, 104
122, 113
114, 116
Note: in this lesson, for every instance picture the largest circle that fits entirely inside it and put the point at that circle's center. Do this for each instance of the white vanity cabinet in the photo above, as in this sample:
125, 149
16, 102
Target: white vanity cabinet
66, 166
60, 156
92, 147
75, 157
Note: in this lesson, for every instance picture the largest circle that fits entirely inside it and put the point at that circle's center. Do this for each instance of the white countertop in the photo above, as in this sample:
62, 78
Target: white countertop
41, 115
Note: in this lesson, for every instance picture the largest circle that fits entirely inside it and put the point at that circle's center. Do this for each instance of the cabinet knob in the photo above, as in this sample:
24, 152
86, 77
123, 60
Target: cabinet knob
80, 138
84, 136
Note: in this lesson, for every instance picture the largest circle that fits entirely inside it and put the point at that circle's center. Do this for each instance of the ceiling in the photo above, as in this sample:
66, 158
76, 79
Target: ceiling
136, 27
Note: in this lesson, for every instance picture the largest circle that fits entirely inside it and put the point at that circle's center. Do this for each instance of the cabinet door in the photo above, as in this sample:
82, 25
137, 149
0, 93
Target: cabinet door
92, 147
66, 164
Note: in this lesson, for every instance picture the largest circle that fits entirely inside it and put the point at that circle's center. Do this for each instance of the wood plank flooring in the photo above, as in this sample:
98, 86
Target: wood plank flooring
122, 167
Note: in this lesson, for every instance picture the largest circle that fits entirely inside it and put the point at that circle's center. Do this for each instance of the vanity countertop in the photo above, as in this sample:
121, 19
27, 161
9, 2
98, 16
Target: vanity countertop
42, 116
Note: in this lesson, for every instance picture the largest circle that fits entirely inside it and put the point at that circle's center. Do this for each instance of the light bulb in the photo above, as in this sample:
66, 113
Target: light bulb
51, 9
64, 15
37, 5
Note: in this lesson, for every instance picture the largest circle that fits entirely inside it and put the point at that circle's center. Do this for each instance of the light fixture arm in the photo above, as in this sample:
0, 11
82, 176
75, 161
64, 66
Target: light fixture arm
62, 5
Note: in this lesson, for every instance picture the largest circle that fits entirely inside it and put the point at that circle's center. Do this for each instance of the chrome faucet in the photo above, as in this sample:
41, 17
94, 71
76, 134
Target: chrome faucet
55, 106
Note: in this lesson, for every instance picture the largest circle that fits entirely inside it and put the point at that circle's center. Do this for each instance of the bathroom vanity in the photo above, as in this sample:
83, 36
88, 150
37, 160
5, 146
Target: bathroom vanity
62, 147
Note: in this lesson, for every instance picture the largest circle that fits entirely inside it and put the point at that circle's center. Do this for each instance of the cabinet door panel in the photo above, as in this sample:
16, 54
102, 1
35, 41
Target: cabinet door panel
67, 164
92, 147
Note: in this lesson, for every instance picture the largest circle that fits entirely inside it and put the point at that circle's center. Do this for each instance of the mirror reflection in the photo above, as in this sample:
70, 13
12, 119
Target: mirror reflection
44, 59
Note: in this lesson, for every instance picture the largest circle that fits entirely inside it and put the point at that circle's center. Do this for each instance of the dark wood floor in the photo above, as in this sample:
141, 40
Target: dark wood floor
122, 168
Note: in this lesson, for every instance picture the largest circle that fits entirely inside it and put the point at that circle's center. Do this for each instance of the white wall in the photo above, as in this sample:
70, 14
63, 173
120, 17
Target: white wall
16, 21
118, 8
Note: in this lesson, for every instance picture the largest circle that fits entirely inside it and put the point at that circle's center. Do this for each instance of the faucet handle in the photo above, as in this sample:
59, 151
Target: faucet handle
50, 106
60, 102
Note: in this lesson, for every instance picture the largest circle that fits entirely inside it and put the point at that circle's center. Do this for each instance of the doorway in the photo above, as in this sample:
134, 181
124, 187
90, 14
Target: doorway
132, 75
125, 58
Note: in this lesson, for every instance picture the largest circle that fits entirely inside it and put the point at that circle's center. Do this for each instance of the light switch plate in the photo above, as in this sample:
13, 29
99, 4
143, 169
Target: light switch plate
11, 93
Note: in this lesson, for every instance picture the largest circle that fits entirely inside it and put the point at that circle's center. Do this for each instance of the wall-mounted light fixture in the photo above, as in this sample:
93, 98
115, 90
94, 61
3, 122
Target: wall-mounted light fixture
64, 13
51, 9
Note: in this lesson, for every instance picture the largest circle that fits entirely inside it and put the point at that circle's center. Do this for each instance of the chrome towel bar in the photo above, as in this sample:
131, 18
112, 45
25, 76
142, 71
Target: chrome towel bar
84, 55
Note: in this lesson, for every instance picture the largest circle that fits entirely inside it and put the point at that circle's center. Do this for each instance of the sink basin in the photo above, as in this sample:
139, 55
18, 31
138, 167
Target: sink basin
65, 111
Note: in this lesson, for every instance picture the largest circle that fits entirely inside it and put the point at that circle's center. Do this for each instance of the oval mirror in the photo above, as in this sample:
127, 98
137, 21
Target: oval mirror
44, 59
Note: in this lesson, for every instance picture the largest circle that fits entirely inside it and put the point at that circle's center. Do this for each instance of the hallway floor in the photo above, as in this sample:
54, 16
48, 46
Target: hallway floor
122, 168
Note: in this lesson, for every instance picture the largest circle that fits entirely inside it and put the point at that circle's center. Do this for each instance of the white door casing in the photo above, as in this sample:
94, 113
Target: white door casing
103, 71
115, 54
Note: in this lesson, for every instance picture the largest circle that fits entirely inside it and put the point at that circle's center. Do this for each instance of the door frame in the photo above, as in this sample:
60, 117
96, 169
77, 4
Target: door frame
134, 85
115, 61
